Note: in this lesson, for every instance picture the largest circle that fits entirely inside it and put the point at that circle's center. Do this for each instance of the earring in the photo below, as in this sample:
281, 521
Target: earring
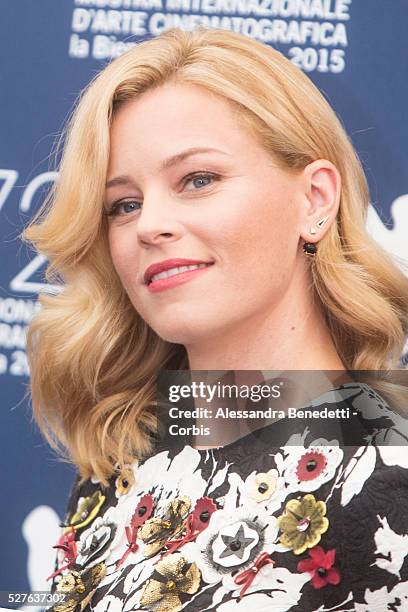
310, 249
319, 224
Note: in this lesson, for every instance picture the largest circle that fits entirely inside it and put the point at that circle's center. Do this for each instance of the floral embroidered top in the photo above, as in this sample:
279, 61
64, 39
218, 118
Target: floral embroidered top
279, 520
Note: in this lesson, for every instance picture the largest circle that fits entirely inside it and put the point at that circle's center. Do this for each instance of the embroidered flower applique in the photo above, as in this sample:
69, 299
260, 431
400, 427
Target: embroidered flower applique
78, 588
87, 510
172, 576
157, 530
196, 522
320, 566
233, 541
142, 513
311, 465
68, 552
233, 545
94, 544
263, 485
302, 523
125, 481
307, 469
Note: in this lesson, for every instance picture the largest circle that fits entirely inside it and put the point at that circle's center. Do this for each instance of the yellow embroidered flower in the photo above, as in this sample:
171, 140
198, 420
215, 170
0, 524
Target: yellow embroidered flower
78, 588
125, 481
173, 575
87, 510
71, 582
264, 485
303, 523
157, 530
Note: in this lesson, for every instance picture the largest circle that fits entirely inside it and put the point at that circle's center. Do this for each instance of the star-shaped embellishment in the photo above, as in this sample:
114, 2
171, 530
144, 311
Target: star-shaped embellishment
236, 544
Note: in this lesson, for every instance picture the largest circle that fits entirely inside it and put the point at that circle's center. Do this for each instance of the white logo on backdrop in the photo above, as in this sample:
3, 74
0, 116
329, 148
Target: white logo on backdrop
41, 532
392, 240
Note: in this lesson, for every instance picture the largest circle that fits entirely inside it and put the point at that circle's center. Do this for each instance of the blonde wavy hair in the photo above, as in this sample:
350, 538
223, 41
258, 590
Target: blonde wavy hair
94, 361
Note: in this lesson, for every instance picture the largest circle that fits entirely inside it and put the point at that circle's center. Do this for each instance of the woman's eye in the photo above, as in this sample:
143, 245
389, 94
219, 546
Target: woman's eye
126, 206
199, 180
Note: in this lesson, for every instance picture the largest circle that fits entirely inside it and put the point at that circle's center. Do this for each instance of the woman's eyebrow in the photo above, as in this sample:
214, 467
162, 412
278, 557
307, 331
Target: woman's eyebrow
167, 163
175, 159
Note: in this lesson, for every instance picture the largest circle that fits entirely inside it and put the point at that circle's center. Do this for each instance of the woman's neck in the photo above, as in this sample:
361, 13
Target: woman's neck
295, 338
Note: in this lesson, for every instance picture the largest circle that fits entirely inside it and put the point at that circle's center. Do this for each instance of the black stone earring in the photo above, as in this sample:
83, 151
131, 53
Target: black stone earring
310, 249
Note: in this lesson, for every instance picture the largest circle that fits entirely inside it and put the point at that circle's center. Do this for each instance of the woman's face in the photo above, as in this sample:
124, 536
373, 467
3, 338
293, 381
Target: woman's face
188, 182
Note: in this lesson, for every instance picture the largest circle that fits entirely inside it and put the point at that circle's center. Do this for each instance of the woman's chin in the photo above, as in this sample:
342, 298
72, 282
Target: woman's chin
184, 332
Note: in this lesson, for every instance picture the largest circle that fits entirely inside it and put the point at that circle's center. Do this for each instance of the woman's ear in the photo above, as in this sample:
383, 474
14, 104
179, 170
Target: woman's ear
322, 187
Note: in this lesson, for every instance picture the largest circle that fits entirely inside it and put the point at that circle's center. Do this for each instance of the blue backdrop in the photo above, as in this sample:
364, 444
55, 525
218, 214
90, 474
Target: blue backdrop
356, 52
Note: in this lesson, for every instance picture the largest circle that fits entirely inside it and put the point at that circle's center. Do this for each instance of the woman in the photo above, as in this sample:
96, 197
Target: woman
210, 215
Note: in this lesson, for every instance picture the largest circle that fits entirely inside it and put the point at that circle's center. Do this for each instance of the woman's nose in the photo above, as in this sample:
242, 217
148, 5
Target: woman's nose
157, 221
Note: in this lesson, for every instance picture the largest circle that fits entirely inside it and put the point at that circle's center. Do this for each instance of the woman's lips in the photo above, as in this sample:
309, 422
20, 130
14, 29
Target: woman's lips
177, 279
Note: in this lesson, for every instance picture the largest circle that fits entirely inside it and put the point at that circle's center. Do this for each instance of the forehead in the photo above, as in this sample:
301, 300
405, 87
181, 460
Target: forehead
174, 116
172, 99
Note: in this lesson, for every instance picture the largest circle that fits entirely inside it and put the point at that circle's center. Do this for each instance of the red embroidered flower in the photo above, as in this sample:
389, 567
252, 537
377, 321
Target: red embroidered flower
311, 465
195, 523
143, 512
203, 510
320, 566
67, 544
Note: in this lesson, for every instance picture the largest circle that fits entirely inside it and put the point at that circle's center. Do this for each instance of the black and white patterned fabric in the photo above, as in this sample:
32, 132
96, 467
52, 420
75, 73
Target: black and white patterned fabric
279, 520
